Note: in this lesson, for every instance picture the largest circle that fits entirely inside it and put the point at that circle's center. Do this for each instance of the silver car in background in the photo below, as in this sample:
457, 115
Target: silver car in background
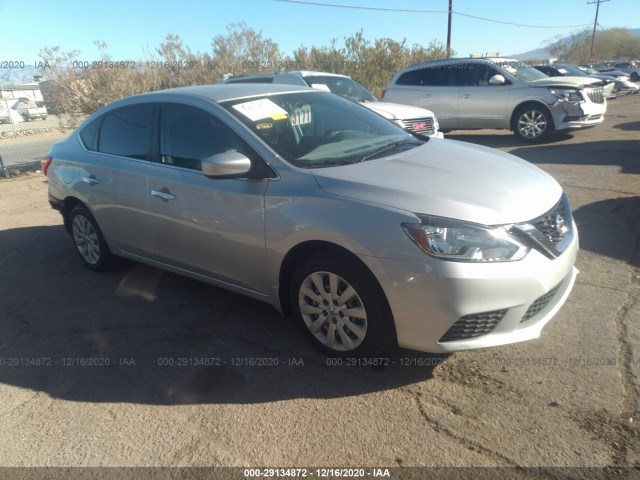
498, 93
320, 207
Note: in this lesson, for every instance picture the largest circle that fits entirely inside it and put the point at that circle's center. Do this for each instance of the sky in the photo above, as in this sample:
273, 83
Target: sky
132, 28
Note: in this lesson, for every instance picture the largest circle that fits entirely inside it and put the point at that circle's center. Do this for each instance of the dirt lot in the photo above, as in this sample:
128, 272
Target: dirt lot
569, 399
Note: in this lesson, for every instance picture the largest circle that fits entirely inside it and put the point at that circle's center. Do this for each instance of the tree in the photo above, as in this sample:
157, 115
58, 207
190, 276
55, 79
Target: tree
614, 43
243, 50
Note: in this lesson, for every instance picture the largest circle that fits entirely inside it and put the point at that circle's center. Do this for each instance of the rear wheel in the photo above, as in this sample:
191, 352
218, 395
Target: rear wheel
88, 239
340, 306
532, 123
634, 77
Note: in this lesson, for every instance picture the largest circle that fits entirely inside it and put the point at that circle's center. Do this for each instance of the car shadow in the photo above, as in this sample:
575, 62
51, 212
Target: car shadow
142, 335
624, 153
628, 126
503, 139
611, 228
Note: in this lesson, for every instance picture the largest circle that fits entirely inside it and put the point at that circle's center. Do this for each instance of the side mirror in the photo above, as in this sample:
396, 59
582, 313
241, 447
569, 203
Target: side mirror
230, 164
497, 80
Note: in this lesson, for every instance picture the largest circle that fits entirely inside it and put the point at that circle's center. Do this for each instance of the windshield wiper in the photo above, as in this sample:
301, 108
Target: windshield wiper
391, 146
324, 163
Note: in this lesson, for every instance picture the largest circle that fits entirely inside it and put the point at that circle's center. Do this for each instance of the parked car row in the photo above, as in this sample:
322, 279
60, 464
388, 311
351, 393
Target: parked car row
560, 70
631, 68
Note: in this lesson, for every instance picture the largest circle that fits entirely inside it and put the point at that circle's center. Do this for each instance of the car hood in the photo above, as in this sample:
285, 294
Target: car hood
451, 179
574, 82
397, 111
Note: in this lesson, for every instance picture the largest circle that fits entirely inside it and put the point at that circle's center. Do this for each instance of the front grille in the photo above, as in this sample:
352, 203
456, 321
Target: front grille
556, 223
541, 302
596, 95
419, 126
473, 326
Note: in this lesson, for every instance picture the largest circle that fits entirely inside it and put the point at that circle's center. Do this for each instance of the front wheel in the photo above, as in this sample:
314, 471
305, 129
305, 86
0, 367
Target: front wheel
88, 239
341, 306
532, 124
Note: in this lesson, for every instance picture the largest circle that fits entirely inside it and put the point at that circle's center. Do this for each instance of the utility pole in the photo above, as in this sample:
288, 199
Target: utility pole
449, 29
595, 24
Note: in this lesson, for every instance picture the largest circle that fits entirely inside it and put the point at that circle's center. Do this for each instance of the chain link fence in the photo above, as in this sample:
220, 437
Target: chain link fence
24, 143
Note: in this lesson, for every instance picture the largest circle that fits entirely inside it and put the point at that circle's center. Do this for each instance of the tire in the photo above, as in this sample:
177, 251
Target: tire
532, 123
356, 325
634, 77
88, 239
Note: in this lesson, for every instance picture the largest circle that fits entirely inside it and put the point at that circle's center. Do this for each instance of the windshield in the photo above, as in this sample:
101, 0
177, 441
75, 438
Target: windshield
520, 70
570, 70
345, 87
317, 129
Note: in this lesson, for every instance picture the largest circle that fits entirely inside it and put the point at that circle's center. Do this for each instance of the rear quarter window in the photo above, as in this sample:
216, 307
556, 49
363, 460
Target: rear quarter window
89, 134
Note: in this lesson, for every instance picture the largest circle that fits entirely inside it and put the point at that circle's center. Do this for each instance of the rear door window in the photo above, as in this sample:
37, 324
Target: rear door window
449, 75
127, 132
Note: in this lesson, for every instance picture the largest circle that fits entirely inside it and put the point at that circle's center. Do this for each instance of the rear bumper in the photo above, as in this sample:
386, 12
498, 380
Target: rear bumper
56, 203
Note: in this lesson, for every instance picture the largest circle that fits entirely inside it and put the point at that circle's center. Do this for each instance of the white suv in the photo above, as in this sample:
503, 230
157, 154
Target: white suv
418, 121
499, 93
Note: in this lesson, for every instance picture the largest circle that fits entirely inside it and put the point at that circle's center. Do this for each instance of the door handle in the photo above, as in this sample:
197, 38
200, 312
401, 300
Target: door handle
466, 95
163, 195
90, 180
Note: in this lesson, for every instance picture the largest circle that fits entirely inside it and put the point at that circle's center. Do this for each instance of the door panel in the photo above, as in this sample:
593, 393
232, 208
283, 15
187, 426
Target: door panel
114, 177
211, 227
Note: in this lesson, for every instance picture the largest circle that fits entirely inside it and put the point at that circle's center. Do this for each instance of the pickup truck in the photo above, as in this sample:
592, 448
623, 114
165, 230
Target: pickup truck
30, 110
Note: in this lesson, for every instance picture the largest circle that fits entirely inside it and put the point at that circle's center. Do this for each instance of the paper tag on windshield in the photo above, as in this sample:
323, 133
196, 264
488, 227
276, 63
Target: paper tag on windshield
320, 86
259, 109
301, 115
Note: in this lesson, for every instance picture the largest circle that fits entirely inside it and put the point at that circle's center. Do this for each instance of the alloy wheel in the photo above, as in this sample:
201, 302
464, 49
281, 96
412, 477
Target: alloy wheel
86, 239
333, 311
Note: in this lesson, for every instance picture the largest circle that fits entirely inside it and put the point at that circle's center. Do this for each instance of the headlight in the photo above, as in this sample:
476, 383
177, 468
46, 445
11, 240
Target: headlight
567, 94
455, 240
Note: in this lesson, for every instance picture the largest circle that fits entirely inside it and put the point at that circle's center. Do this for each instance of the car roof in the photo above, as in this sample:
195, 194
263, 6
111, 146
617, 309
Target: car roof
446, 61
302, 73
230, 91
315, 73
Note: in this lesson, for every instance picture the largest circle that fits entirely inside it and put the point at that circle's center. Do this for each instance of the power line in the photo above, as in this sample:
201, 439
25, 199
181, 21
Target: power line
411, 10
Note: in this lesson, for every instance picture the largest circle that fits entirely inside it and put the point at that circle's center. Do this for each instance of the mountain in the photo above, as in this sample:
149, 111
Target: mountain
18, 75
541, 53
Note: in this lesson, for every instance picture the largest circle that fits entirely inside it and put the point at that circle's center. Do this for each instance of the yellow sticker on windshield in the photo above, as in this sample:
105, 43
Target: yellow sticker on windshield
259, 109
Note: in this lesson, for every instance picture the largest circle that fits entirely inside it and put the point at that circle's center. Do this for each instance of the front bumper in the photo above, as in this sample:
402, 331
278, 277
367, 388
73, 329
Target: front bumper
570, 115
511, 301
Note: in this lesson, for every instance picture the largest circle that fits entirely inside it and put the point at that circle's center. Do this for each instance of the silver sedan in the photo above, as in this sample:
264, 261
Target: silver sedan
322, 208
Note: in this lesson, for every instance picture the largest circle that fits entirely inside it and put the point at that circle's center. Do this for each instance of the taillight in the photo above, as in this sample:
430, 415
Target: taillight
44, 164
